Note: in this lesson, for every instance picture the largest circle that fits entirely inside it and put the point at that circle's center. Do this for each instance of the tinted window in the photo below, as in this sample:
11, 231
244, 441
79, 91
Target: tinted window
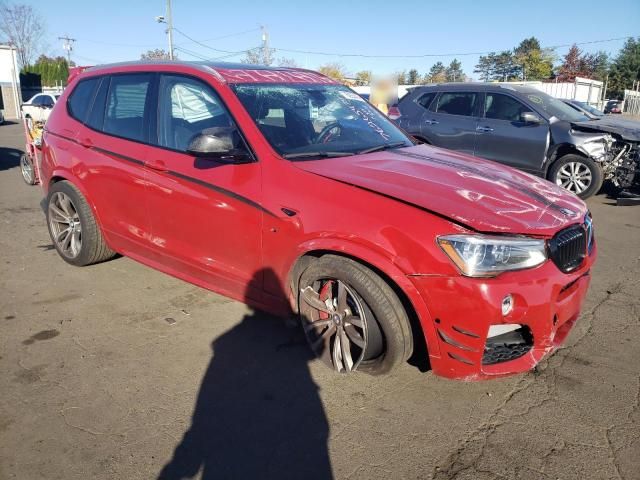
80, 99
456, 103
426, 99
503, 107
47, 101
186, 107
126, 100
96, 115
37, 100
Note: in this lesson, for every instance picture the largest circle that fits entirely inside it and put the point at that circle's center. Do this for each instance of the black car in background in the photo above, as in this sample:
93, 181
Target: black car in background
518, 126
613, 106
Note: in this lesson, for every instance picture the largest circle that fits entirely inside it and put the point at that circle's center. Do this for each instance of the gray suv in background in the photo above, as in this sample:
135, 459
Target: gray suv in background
514, 125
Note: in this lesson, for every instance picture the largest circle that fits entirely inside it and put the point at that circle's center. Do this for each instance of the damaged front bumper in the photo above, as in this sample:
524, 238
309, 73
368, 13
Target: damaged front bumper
475, 340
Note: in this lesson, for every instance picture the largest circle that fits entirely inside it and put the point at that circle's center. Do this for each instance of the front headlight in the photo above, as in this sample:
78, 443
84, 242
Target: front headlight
487, 256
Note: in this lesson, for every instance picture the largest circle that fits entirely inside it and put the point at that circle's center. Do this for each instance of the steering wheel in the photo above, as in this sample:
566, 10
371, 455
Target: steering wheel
328, 132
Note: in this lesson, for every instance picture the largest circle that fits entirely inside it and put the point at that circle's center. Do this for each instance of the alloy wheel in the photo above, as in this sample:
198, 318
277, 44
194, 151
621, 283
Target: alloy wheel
65, 225
575, 177
337, 332
26, 168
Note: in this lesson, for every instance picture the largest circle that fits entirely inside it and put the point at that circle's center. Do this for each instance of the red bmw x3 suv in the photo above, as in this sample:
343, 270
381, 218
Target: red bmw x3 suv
284, 189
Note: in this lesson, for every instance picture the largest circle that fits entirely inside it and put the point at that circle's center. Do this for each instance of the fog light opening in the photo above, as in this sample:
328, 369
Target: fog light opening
507, 305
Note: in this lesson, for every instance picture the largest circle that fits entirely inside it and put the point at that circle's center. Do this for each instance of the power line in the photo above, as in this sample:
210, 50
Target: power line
144, 45
205, 45
458, 54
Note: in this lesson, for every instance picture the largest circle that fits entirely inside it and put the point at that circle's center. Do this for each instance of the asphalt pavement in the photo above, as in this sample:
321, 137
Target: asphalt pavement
117, 371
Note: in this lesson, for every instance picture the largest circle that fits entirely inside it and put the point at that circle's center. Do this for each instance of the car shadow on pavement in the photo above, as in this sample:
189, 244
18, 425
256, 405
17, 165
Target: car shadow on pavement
258, 413
9, 158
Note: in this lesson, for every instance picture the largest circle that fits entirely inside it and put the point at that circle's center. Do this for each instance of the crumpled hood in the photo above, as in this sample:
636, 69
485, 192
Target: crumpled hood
628, 129
475, 193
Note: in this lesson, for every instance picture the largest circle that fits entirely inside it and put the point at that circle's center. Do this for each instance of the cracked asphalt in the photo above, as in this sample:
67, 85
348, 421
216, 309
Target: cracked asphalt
119, 371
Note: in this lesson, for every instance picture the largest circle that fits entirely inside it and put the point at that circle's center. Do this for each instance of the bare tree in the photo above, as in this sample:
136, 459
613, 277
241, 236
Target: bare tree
259, 56
23, 28
157, 54
287, 62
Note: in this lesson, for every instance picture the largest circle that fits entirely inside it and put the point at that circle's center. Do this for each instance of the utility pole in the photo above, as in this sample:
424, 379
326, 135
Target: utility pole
266, 53
170, 29
68, 46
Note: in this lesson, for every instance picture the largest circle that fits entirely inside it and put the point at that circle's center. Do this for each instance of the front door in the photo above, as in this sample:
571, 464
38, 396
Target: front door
505, 138
206, 219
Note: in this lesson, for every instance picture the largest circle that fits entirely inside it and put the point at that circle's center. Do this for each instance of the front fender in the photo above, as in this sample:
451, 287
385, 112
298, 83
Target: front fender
377, 259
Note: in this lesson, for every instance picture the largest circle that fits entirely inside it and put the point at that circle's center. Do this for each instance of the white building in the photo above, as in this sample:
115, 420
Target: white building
10, 98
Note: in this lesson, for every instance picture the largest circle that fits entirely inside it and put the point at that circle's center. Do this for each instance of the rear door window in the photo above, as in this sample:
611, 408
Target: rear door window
126, 106
80, 99
457, 103
425, 99
503, 107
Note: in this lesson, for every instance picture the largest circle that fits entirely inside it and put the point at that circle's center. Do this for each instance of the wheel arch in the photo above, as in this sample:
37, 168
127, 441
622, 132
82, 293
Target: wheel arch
560, 151
421, 321
68, 176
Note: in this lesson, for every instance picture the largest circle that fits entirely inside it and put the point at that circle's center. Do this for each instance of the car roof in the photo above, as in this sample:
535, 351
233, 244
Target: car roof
224, 71
478, 87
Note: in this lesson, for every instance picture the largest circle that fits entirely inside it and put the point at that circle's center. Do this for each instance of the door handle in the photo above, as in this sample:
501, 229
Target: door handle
431, 122
157, 165
484, 129
86, 142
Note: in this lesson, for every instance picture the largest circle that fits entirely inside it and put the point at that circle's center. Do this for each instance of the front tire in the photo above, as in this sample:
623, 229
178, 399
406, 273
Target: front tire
352, 318
73, 228
577, 174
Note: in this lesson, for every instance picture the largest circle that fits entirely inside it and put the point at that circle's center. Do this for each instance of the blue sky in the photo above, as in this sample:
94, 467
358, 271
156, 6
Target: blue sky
117, 30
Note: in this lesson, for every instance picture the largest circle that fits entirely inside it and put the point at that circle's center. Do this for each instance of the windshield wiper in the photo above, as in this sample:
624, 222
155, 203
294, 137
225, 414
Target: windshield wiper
291, 156
385, 146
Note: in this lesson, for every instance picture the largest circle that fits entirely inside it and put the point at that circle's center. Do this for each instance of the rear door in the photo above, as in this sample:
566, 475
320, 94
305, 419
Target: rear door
114, 141
451, 120
505, 138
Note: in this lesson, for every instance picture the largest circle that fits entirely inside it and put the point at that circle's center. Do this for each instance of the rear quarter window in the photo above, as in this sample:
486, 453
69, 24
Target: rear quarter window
80, 99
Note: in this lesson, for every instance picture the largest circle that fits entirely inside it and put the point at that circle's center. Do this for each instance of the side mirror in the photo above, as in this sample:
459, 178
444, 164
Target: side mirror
530, 117
220, 144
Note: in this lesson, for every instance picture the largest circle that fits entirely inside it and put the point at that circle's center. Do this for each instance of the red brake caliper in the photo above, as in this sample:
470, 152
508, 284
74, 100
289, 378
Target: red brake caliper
325, 293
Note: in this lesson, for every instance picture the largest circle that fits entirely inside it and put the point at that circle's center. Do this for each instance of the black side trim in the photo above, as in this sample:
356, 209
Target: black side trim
117, 155
391, 197
197, 181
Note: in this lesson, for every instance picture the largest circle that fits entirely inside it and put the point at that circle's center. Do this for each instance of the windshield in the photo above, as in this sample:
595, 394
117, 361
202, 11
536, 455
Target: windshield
313, 120
556, 108
591, 110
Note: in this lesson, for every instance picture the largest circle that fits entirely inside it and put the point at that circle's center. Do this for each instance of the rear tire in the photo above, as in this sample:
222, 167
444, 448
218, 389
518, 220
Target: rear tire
27, 169
577, 174
73, 228
375, 326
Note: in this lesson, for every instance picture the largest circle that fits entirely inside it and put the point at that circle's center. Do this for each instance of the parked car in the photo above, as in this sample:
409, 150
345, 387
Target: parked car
519, 126
286, 190
613, 106
585, 108
38, 108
